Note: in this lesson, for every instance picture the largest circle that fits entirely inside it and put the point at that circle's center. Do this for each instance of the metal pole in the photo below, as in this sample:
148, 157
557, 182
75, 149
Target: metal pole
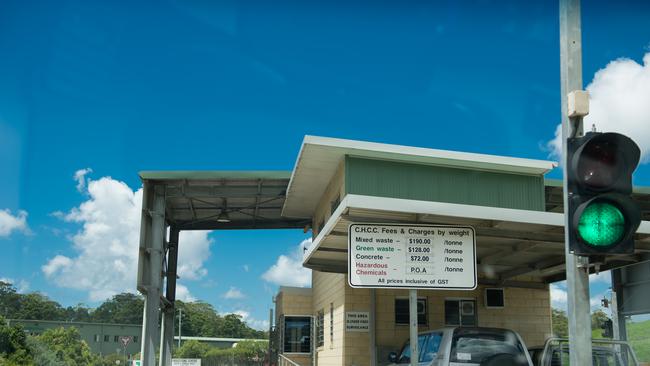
180, 319
613, 306
373, 328
413, 325
167, 337
577, 268
270, 333
620, 330
154, 250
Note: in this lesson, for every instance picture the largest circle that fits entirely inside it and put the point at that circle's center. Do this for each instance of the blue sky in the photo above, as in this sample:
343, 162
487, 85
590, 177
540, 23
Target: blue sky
121, 87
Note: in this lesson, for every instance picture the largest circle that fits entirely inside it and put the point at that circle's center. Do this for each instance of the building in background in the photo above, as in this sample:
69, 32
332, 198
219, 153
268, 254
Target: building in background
102, 338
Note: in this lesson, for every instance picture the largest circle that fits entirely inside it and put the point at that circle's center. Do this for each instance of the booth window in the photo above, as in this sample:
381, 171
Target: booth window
460, 312
402, 311
297, 334
320, 322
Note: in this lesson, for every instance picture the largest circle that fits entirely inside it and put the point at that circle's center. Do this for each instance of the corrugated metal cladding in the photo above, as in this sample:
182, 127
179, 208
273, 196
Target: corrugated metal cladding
443, 184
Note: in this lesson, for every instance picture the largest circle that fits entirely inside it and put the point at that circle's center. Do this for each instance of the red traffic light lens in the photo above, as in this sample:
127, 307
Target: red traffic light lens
600, 164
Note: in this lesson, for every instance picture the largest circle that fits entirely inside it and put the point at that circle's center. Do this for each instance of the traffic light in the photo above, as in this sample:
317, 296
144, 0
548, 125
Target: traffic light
608, 327
603, 215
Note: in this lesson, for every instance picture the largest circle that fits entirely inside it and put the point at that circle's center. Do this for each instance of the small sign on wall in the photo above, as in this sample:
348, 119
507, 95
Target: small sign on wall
357, 321
186, 362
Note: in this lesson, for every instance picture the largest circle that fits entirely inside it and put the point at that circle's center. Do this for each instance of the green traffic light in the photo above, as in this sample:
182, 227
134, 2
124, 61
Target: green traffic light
601, 224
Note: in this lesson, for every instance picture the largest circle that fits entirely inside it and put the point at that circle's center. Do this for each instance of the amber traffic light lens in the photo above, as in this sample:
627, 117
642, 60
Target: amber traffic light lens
600, 165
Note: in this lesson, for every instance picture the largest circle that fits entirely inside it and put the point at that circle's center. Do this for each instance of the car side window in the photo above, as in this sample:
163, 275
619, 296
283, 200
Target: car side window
431, 347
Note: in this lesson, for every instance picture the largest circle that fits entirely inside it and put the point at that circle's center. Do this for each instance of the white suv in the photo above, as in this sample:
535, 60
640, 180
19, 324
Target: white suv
460, 346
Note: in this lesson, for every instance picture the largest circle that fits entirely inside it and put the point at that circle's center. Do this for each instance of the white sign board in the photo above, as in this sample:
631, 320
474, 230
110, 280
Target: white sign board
412, 256
357, 321
186, 362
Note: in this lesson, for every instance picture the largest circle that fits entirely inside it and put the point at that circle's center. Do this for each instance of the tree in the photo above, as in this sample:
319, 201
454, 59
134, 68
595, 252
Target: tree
598, 318
560, 323
67, 345
35, 306
192, 349
9, 300
124, 308
78, 313
13, 345
199, 319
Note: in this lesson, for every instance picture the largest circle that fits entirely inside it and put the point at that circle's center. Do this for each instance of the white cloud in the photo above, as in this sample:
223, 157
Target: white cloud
234, 293
558, 297
183, 293
193, 251
107, 244
80, 177
252, 322
21, 286
55, 264
10, 223
619, 96
288, 269
601, 277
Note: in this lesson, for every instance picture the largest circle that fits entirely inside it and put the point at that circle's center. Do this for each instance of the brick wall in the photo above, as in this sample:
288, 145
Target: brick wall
526, 311
329, 294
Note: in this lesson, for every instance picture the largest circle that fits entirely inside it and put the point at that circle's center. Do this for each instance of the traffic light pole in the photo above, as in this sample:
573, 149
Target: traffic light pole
577, 268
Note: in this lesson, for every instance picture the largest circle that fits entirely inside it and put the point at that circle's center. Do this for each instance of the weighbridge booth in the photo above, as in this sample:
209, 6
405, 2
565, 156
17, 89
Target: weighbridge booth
517, 222
511, 213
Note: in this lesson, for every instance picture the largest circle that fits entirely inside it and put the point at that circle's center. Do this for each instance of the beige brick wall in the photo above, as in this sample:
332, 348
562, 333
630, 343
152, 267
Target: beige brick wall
527, 311
294, 301
335, 188
357, 344
329, 290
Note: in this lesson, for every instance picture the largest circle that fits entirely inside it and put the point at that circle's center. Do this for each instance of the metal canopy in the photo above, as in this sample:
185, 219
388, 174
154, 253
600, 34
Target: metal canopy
514, 247
195, 200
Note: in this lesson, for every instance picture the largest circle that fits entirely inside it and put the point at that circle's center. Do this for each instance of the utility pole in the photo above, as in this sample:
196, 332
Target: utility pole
180, 318
577, 267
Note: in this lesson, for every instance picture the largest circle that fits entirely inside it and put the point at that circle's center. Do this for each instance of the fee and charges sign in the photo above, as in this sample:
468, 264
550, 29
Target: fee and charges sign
412, 256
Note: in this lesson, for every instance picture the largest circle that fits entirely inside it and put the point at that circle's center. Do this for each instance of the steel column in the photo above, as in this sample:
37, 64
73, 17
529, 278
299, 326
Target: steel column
373, 327
413, 325
577, 268
167, 338
152, 275
618, 321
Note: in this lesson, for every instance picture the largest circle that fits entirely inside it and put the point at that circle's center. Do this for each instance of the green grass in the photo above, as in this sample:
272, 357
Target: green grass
638, 335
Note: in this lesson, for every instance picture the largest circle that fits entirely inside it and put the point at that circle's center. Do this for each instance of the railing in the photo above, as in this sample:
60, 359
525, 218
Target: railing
285, 361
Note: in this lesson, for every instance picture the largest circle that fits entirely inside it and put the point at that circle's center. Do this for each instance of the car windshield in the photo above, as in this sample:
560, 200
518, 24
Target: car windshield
428, 345
489, 348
